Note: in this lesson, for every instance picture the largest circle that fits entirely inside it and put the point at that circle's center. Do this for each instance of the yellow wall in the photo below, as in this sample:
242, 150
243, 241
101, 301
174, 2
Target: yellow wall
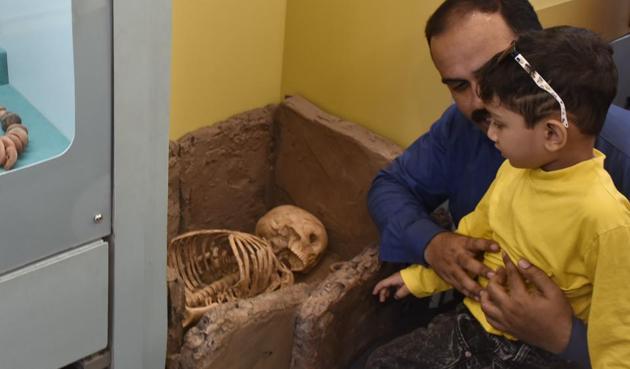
364, 60
610, 18
367, 60
227, 58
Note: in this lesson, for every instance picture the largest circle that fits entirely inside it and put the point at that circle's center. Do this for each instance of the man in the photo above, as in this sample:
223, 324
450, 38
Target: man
455, 161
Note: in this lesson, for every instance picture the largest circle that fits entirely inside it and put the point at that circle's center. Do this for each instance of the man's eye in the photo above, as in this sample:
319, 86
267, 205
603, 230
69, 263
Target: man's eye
459, 86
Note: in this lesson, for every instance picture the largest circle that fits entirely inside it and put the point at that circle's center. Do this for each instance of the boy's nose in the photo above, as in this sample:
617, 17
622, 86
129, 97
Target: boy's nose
492, 133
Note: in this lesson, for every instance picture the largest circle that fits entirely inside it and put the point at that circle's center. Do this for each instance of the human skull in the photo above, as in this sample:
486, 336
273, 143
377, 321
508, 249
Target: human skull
297, 237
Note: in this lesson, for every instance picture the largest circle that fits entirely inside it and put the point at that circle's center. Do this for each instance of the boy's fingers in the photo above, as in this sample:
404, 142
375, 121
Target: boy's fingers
537, 277
379, 286
403, 291
514, 279
383, 295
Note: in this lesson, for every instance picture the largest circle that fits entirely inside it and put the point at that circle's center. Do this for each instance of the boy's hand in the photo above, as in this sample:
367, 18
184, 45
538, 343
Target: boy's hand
541, 318
455, 259
384, 287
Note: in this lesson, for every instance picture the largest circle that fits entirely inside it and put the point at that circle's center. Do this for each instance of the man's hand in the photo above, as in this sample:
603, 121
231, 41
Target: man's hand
383, 288
455, 259
541, 317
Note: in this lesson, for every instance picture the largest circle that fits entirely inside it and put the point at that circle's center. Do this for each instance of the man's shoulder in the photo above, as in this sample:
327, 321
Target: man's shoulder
454, 125
614, 143
453, 118
614, 135
454, 135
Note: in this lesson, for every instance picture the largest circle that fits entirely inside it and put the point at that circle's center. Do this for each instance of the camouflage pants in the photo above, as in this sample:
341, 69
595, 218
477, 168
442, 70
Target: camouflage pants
455, 340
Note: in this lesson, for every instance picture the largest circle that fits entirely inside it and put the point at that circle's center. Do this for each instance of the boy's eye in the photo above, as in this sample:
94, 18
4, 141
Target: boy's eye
496, 124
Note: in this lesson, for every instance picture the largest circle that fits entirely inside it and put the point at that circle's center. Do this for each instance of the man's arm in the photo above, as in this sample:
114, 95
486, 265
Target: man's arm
613, 142
403, 195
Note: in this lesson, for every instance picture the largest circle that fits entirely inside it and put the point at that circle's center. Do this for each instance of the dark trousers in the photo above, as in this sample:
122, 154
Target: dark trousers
455, 340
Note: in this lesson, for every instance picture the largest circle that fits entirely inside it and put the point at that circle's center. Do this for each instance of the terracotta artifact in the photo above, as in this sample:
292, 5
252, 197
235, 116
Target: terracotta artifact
15, 139
219, 266
298, 238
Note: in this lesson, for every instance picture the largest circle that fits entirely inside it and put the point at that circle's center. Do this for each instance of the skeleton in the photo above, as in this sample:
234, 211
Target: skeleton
218, 266
297, 236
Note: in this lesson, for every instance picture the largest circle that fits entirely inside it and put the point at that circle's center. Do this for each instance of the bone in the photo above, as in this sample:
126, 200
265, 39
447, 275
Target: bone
298, 238
219, 266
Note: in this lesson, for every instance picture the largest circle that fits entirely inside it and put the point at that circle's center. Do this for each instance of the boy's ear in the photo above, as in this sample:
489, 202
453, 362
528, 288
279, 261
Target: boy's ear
556, 135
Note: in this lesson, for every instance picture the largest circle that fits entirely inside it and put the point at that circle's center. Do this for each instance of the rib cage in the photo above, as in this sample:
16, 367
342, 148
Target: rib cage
218, 266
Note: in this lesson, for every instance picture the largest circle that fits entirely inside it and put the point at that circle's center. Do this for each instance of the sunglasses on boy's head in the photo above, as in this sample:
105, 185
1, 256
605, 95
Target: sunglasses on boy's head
538, 80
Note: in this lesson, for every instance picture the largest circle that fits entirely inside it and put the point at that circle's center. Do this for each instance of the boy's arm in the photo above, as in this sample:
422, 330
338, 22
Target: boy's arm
423, 281
609, 316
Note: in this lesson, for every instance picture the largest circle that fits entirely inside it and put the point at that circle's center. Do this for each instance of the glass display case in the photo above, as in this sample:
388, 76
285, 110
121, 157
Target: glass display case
55, 69
55, 203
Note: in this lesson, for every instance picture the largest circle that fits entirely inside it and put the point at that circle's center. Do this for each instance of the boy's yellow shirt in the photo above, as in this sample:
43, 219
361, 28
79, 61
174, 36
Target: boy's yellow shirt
573, 224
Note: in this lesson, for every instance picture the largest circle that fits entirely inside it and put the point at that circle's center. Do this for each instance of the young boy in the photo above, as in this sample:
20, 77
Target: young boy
551, 203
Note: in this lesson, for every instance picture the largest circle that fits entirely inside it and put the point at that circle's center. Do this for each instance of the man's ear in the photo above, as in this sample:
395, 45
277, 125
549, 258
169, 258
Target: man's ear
556, 135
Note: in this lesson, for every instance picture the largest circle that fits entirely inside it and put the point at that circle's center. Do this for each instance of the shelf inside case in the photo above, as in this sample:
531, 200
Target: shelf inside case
45, 140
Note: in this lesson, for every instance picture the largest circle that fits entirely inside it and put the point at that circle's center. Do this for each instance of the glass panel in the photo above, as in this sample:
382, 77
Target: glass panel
37, 74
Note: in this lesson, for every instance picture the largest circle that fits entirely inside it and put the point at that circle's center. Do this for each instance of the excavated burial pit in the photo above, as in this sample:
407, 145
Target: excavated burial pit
226, 177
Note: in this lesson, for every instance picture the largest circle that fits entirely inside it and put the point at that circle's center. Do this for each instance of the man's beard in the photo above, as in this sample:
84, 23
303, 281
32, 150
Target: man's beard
482, 118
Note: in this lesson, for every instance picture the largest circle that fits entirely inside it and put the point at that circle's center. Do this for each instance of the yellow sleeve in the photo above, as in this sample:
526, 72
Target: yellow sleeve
423, 281
609, 316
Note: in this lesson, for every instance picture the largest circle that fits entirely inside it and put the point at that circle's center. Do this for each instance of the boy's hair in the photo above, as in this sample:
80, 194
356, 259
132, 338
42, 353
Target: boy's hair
577, 64
518, 14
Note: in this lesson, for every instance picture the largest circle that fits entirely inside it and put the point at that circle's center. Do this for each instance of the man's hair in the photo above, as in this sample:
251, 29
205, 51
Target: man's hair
577, 64
518, 14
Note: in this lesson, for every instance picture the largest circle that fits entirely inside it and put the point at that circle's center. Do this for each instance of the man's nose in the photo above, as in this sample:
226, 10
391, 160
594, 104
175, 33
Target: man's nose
475, 100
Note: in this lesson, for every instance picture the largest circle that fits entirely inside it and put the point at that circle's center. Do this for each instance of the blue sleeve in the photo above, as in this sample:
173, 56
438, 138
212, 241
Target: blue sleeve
403, 195
577, 349
613, 141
